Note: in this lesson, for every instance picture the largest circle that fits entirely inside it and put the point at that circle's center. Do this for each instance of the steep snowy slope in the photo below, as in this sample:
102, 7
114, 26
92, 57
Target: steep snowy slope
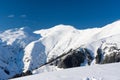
109, 30
96, 72
54, 42
12, 44
62, 38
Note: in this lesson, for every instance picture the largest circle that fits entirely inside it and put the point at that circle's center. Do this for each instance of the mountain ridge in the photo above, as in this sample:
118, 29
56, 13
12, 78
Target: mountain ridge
27, 50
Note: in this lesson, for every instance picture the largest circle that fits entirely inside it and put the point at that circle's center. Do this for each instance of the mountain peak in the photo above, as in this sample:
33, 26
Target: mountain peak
17, 34
62, 26
56, 29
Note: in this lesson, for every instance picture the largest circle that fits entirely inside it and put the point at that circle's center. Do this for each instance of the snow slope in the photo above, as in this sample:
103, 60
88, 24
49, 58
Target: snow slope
23, 49
54, 42
95, 72
61, 38
12, 44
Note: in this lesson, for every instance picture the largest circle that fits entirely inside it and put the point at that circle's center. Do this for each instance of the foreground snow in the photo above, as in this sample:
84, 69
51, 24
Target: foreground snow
95, 72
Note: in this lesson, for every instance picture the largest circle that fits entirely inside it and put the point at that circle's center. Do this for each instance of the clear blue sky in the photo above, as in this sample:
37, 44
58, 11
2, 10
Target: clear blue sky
39, 14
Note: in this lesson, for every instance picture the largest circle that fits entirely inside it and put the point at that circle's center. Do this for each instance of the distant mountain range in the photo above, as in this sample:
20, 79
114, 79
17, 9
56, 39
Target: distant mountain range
24, 52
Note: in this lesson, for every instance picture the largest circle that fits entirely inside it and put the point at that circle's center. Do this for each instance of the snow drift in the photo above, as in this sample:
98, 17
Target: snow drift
96, 72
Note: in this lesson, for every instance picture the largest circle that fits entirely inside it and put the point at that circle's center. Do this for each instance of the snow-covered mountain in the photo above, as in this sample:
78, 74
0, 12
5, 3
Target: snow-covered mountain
12, 44
62, 46
60, 39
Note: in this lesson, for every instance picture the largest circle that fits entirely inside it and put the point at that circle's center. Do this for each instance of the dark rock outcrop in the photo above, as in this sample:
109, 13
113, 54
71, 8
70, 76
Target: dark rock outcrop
99, 56
75, 58
108, 54
114, 57
23, 74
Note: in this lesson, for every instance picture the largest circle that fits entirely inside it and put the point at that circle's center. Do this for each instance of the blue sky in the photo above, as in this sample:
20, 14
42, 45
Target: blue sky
39, 14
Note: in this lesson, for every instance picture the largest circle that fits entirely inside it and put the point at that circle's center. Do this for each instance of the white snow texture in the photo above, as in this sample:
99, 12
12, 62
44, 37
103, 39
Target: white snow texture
23, 49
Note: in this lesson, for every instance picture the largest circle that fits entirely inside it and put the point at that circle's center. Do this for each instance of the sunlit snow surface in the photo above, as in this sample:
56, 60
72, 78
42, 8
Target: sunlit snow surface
95, 72
23, 49
61, 38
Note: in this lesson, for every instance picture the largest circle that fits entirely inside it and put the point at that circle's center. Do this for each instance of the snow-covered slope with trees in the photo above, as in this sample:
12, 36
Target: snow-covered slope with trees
63, 46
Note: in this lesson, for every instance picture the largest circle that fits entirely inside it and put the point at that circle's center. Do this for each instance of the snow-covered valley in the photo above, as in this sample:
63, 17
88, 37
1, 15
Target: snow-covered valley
63, 46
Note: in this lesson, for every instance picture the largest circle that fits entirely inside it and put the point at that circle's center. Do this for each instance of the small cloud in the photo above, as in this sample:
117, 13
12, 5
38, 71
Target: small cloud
11, 16
23, 16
